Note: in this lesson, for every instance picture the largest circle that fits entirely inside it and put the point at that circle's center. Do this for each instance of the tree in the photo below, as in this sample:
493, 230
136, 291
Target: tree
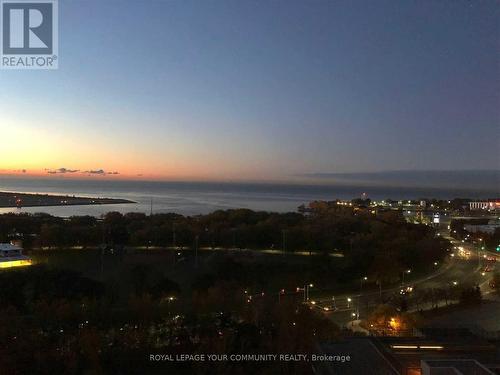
495, 283
470, 295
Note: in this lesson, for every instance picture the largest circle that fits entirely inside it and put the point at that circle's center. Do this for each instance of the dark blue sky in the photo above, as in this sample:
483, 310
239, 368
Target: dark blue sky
263, 89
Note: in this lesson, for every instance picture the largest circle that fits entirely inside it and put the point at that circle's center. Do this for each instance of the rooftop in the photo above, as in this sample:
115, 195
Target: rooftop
9, 247
413, 355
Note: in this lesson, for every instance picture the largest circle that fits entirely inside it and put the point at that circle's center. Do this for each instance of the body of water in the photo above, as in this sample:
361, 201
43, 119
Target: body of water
190, 198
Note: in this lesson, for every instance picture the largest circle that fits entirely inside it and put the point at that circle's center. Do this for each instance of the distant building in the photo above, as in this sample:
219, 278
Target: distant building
483, 228
436, 219
488, 205
12, 256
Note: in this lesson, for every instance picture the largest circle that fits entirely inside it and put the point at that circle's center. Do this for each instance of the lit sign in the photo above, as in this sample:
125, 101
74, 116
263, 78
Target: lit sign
15, 263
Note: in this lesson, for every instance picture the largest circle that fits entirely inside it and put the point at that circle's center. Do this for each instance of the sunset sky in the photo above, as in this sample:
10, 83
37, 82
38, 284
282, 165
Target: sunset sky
264, 90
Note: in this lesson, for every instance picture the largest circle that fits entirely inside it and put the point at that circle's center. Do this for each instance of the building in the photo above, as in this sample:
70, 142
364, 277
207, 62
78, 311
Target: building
483, 228
462, 354
453, 367
12, 256
487, 205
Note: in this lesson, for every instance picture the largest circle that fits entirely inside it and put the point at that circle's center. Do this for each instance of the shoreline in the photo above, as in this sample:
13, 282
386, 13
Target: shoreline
13, 200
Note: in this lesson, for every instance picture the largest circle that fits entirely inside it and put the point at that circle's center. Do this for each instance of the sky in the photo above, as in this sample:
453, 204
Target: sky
258, 90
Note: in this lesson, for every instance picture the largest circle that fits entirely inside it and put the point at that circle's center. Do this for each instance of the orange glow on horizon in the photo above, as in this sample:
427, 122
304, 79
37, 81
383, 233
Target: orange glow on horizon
132, 175
32, 150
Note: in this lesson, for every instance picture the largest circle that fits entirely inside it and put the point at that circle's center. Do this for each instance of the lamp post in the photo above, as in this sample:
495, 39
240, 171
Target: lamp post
364, 278
479, 253
281, 292
305, 290
405, 272
307, 287
361, 284
196, 244
173, 236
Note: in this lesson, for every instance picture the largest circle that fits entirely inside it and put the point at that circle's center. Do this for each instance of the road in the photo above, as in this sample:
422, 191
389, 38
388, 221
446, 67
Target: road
464, 266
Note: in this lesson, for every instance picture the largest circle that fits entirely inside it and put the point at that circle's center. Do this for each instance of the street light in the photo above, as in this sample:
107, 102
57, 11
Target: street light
281, 292
305, 289
361, 283
354, 316
408, 272
364, 278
